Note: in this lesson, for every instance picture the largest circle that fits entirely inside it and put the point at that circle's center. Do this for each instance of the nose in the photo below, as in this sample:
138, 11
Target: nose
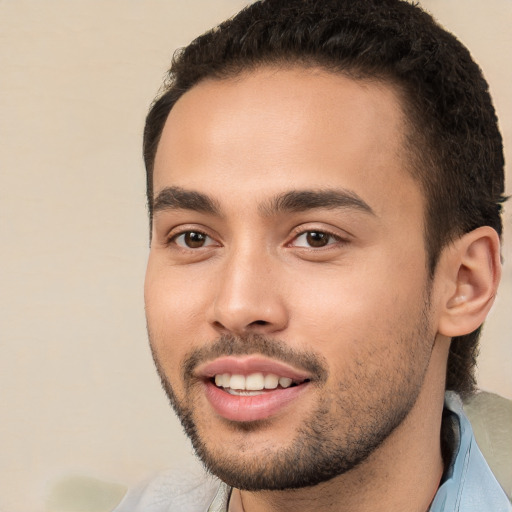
248, 297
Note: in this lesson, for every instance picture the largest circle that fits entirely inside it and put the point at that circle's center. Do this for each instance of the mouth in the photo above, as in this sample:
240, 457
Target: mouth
254, 384
251, 388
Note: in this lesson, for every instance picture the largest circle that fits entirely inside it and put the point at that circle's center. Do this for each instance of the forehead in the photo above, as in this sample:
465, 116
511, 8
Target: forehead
274, 129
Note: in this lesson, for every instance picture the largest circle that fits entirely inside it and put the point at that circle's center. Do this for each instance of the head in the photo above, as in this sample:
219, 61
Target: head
394, 67
453, 141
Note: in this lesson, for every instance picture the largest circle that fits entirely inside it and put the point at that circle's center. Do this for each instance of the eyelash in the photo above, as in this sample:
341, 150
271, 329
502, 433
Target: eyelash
336, 239
332, 239
174, 237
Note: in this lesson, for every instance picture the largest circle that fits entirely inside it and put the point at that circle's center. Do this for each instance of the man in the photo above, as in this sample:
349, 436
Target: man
324, 185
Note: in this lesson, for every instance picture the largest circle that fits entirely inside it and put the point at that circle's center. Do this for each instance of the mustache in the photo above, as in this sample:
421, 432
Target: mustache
254, 344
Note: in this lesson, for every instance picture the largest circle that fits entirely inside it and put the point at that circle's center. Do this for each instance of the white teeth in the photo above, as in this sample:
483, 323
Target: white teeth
285, 382
253, 382
271, 381
238, 392
237, 382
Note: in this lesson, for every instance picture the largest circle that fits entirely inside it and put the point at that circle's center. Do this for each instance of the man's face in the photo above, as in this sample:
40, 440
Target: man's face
287, 250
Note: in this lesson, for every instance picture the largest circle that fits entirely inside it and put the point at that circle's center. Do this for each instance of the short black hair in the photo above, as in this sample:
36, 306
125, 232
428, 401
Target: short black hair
452, 135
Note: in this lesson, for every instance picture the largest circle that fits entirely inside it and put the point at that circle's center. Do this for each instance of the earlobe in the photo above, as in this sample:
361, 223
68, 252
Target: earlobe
471, 269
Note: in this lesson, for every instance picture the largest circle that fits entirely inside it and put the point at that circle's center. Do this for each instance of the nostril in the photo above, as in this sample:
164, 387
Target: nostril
219, 326
259, 322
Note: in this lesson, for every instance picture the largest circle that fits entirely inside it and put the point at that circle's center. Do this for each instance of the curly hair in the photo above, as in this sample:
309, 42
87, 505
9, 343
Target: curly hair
452, 136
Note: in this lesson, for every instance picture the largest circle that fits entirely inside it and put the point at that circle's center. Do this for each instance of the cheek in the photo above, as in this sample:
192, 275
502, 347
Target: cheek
346, 300
174, 312
173, 297
350, 310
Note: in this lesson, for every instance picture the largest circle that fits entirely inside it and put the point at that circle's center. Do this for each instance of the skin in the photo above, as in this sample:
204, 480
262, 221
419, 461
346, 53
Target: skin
362, 304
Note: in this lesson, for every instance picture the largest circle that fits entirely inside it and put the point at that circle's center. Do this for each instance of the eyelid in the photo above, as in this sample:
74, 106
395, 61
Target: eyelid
181, 230
340, 237
208, 241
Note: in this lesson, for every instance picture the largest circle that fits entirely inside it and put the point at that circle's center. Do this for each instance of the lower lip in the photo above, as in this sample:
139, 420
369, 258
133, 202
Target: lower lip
251, 408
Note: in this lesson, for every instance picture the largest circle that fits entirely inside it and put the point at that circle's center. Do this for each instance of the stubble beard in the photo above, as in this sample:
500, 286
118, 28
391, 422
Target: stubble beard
348, 425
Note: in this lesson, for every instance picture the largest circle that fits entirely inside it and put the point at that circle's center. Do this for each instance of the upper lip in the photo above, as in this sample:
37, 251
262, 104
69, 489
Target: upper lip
245, 365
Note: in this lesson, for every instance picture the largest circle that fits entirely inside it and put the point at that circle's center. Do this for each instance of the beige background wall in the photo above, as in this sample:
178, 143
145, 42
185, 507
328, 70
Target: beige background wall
78, 394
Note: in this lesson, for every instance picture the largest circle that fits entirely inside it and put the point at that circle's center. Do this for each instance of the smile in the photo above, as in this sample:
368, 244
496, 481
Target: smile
253, 384
251, 388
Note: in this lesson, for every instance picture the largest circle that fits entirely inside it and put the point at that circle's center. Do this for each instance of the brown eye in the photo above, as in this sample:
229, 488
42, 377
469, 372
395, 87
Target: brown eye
317, 238
313, 239
193, 240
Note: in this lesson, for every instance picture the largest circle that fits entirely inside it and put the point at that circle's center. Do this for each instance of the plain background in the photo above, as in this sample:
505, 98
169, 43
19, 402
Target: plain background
78, 392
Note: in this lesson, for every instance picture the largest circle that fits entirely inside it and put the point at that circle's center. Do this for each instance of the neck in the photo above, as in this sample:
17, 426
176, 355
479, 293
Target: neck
402, 475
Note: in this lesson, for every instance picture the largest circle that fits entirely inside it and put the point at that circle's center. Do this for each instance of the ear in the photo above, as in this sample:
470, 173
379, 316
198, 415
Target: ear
470, 270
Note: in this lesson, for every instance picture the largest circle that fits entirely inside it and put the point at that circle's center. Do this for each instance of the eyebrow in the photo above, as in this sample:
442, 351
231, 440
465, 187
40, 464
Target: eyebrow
303, 200
177, 198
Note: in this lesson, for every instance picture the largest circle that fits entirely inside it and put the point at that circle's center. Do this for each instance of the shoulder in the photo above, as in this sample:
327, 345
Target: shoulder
491, 419
469, 483
186, 490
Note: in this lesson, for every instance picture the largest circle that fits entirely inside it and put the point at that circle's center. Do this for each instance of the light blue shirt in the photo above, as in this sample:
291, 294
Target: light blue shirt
469, 485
